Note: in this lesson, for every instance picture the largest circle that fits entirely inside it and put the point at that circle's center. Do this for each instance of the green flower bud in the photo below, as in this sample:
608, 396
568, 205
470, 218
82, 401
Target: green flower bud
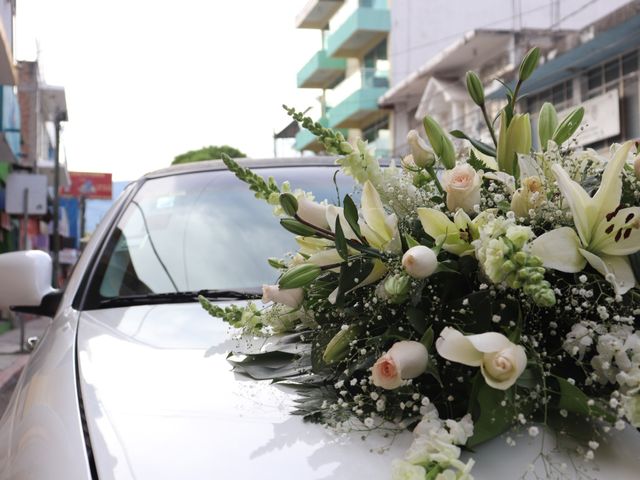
520, 258
346, 148
508, 266
547, 123
529, 63
475, 89
338, 347
289, 204
299, 276
440, 142
397, 287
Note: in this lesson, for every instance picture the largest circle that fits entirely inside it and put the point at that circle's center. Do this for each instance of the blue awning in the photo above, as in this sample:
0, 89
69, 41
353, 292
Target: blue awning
602, 47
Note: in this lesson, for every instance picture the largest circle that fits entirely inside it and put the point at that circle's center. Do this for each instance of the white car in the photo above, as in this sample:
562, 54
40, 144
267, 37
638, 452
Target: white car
131, 380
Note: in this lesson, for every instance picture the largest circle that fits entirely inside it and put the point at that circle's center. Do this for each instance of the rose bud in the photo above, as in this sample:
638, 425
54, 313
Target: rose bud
422, 155
501, 362
291, 297
404, 360
420, 261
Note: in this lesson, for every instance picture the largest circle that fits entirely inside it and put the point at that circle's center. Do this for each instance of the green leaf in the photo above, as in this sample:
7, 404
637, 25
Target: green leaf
417, 318
576, 401
351, 214
271, 365
529, 64
351, 274
427, 338
411, 242
276, 263
547, 124
568, 126
299, 276
478, 164
341, 241
480, 146
294, 226
634, 260
289, 204
490, 417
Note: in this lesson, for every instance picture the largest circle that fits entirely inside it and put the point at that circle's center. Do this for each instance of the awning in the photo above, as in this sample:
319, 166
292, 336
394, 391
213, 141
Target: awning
289, 131
602, 47
439, 95
475, 48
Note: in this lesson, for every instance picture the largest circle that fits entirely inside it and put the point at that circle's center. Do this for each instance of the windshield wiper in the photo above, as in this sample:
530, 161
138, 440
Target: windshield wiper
179, 297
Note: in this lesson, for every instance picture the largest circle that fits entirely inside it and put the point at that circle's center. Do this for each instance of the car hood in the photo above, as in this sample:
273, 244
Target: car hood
161, 401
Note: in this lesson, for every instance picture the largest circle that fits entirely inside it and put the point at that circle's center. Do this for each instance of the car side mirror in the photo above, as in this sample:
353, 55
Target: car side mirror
25, 282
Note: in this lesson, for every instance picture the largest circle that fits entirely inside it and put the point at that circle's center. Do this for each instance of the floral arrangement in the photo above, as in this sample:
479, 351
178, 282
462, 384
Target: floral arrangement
472, 292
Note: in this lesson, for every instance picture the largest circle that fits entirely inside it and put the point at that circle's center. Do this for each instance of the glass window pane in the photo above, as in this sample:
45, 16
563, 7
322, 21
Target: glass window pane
594, 78
611, 71
630, 62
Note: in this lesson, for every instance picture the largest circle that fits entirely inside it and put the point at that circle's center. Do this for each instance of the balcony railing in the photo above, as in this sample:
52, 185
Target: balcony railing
363, 29
317, 13
355, 100
321, 71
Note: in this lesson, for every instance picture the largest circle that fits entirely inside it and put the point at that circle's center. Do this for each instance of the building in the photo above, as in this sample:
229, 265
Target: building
350, 69
434, 43
10, 139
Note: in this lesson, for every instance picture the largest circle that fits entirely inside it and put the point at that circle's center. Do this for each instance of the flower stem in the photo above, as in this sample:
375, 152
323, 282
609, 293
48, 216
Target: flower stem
433, 175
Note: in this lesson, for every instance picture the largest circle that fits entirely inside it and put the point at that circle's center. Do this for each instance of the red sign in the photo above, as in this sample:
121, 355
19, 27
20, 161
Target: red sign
88, 185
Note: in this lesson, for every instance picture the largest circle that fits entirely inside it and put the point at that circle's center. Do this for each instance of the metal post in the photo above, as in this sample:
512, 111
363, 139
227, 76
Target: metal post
55, 250
83, 221
25, 234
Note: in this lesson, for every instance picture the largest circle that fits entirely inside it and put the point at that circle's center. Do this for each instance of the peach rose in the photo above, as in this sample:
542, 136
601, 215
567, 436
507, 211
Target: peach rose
405, 359
462, 185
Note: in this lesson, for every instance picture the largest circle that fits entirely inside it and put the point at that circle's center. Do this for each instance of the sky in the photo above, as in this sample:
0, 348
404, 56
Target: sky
146, 80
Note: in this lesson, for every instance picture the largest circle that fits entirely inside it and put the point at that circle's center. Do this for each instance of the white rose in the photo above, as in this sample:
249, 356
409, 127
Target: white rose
291, 297
313, 213
420, 261
501, 361
462, 185
405, 359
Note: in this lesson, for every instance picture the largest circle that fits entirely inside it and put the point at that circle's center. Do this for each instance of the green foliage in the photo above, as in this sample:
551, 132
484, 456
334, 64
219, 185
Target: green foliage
263, 189
568, 126
247, 317
208, 153
334, 142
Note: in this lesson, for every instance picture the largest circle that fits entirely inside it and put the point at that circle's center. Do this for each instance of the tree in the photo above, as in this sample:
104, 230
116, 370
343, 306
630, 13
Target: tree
212, 152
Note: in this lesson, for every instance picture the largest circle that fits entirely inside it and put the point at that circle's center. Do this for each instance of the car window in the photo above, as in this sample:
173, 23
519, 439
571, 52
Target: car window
202, 230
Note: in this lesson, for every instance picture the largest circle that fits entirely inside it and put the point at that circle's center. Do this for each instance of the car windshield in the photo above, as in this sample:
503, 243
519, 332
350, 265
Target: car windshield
204, 230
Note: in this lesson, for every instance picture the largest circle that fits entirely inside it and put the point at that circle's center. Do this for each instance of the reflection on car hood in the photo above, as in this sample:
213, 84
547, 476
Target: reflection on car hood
162, 402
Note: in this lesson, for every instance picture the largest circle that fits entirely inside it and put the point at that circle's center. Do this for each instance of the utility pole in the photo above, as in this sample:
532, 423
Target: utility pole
55, 251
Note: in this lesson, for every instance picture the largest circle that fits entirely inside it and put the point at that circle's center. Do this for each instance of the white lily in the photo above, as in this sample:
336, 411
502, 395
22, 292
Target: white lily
606, 233
455, 237
380, 229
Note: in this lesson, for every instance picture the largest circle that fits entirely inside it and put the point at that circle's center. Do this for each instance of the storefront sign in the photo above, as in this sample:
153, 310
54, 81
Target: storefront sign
601, 118
88, 185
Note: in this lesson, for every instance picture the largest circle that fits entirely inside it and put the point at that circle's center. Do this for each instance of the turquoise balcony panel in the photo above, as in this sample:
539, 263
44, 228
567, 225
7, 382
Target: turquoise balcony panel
357, 109
361, 31
10, 124
317, 13
304, 140
321, 71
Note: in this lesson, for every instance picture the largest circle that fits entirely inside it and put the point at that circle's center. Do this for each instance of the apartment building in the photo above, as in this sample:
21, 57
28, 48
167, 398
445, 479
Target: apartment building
433, 44
350, 69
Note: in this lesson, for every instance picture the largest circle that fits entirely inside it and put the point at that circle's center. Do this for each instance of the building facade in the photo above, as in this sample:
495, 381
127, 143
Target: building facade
433, 44
350, 69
